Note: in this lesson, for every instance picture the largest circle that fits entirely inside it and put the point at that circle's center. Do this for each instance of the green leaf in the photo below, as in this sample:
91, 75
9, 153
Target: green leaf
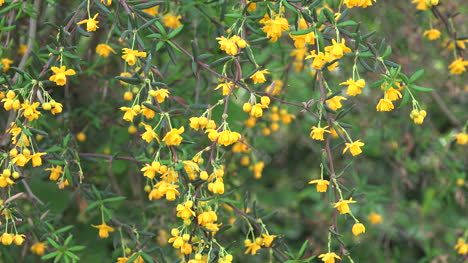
387, 52
329, 15
302, 32
175, 31
114, 199
53, 243
302, 250
348, 23
50, 255
56, 162
421, 89
148, 5
417, 75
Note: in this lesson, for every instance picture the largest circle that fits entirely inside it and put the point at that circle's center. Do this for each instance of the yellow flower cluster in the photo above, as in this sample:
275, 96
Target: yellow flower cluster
231, 46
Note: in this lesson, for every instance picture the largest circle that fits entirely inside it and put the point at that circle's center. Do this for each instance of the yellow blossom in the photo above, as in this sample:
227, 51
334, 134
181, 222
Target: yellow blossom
354, 87
458, 66
36, 159
185, 211
129, 113
317, 133
227, 137
55, 172
393, 94
60, 77
385, 105
259, 76
173, 137
354, 147
153, 11
329, 257
172, 21
343, 206
252, 247
106, 2
30, 110
91, 23
6, 63
104, 229
358, 229
462, 138
130, 56
375, 218
38, 248
275, 27
160, 95
104, 50
461, 247
337, 49
335, 102
321, 185
432, 34
151, 170
6, 239
149, 133
268, 240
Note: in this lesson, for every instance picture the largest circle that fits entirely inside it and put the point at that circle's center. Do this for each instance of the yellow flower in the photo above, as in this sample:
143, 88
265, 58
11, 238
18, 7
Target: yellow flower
172, 21
149, 134
257, 110
458, 66
432, 34
317, 133
104, 229
354, 147
152, 10
151, 170
385, 105
335, 102
6, 63
173, 136
258, 169
197, 123
251, 247
130, 56
393, 94
227, 138
6, 239
375, 218
38, 248
329, 257
259, 76
104, 50
55, 172
461, 247
185, 211
161, 95
57, 108
36, 159
251, 6
19, 239
176, 240
321, 185
319, 61
217, 187
275, 27
60, 77
91, 23
29, 110
230, 47
343, 206
22, 49
425, 4
358, 229
418, 116
106, 2
268, 240
129, 113
337, 50
147, 112
226, 87
354, 87
462, 138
